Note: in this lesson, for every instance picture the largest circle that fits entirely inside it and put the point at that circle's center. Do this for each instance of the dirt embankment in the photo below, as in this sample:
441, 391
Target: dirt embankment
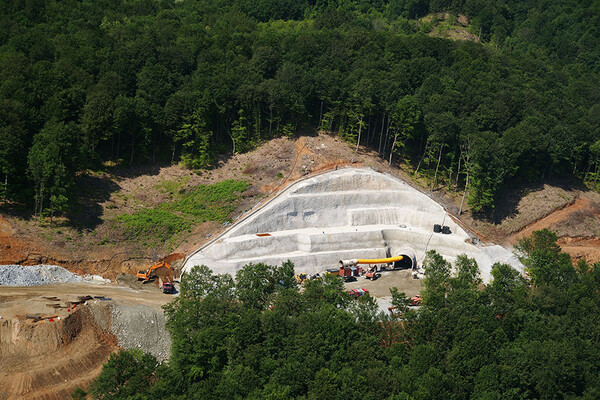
48, 360
576, 219
577, 224
67, 345
12, 247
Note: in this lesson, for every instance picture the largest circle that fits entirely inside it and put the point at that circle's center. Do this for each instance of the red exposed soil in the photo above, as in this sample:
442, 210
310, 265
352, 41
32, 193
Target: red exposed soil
555, 217
581, 248
11, 247
577, 224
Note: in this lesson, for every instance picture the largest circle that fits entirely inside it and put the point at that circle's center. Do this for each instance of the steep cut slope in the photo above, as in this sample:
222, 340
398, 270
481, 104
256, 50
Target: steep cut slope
343, 214
67, 346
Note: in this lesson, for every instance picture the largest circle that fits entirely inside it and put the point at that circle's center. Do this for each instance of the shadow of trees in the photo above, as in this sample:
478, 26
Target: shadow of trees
91, 192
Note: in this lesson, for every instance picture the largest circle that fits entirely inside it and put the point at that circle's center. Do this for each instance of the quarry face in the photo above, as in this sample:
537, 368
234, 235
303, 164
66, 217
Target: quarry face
344, 214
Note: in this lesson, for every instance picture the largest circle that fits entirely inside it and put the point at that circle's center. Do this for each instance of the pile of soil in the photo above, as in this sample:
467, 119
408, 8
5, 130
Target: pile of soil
50, 359
48, 347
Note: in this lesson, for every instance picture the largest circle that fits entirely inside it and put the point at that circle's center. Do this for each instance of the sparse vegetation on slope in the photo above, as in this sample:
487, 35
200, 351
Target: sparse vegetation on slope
204, 203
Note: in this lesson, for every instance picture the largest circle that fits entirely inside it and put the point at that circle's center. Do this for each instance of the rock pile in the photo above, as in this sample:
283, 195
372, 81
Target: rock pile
21, 275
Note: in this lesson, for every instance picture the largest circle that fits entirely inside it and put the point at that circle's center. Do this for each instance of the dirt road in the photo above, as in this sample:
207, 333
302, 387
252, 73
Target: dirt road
401, 279
13, 299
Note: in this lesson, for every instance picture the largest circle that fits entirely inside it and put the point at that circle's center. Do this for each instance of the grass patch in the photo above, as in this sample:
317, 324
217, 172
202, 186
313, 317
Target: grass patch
154, 223
172, 186
204, 203
210, 202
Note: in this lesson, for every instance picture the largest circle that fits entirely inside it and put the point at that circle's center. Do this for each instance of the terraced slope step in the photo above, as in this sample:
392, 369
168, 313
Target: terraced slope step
347, 213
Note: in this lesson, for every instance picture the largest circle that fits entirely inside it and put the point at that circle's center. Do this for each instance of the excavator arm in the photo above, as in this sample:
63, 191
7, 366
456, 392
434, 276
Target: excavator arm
146, 275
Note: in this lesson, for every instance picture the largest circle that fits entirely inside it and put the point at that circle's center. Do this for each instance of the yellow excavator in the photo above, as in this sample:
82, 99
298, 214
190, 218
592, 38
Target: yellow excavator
150, 274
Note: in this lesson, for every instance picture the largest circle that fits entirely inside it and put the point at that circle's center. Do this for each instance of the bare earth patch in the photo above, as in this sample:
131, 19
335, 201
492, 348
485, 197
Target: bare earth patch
446, 25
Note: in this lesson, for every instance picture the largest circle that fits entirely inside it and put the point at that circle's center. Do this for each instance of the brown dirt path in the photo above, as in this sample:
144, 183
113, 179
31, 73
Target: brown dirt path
558, 216
577, 225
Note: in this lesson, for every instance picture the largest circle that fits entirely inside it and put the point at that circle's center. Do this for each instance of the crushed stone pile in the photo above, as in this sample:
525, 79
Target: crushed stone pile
136, 326
33, 275
142, 327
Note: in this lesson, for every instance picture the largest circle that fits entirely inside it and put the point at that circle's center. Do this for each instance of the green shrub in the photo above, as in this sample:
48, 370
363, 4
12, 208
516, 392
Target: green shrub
210, 202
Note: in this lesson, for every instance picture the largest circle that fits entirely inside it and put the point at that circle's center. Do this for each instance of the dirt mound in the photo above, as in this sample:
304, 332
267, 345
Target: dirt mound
49, 359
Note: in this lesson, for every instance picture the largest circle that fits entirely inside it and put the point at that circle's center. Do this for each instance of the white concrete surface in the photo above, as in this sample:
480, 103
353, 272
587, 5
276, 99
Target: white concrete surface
343, 214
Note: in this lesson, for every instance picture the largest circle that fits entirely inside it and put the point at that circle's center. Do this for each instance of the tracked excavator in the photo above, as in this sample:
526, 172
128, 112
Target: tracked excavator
151, 274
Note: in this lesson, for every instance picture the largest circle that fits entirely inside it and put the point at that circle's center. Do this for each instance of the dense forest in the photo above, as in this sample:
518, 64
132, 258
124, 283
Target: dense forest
89, 84
260, 337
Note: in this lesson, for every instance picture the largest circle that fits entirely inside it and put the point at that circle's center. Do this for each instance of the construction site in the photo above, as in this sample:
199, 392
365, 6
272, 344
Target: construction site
346, 214
335, 211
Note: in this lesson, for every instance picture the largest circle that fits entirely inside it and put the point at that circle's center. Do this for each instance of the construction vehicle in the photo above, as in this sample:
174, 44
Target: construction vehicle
168, 288
372, 272
151, 274
356, 293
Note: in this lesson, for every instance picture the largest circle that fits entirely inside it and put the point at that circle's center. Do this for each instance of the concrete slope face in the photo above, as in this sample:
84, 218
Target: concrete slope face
343, 214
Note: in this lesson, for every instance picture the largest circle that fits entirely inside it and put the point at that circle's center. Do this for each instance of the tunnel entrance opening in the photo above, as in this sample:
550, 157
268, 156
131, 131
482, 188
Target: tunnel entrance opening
405, 263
